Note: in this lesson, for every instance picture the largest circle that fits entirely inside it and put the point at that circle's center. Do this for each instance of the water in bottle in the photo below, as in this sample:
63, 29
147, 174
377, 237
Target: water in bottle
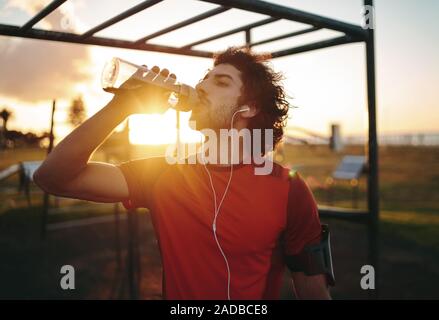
117, 71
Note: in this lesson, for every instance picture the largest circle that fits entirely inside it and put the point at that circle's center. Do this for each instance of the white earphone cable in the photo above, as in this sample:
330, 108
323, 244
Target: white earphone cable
217, 208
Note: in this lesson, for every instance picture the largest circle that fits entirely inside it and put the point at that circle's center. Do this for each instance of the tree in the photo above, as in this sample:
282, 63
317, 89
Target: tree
5, 114
77, 112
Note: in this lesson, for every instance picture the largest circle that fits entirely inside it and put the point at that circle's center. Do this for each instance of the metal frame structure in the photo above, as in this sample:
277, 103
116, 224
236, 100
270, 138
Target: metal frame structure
351, 34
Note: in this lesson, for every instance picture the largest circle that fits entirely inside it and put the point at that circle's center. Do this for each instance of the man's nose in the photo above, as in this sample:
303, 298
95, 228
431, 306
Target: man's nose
200, 91
203, 87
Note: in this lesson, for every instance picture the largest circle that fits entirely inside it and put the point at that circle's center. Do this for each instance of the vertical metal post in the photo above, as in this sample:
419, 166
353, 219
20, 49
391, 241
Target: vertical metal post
137, 252
46, 195
133, 280
27, 191
372, 182
248, 38
117, 237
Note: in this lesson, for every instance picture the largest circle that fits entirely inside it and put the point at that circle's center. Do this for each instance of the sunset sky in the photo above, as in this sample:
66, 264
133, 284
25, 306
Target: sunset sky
327, 85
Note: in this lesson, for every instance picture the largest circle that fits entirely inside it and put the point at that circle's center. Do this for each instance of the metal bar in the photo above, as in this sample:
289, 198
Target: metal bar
248, 38
27, 192
288, 13
315, 46
352, 215
184, 23
141, 6
46, 202
132, 275
117, 237
43, 13
233, 31
287, 35
372, 181
8, 30
137, 251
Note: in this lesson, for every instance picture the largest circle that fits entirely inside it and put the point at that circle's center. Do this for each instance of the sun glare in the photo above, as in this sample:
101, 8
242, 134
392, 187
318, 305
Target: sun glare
155, 129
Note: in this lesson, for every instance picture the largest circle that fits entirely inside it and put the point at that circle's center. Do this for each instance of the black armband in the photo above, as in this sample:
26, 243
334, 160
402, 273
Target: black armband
314, 259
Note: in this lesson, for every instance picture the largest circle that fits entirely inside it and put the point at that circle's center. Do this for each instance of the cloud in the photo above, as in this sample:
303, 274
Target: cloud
29, 7
35, 70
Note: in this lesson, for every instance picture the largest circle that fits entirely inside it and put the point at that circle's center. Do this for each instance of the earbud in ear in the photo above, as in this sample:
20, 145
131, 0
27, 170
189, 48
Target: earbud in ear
244, 109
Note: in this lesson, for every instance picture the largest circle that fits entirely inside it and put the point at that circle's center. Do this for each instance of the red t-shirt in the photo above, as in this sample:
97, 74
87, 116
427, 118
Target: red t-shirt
260, 221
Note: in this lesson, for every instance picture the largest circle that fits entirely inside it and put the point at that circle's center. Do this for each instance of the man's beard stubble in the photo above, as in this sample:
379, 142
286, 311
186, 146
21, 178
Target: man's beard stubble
215, 119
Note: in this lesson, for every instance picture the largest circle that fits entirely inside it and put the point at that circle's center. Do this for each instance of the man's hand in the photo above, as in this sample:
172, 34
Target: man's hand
137, 96
310, 287
67, 170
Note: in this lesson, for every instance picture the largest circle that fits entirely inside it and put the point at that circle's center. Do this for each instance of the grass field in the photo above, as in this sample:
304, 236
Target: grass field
409, 224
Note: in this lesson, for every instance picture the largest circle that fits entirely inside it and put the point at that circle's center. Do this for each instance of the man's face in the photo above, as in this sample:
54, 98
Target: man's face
219, 93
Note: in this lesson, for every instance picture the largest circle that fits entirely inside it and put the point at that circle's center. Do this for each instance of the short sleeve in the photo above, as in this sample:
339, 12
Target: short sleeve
303, 223
141, 175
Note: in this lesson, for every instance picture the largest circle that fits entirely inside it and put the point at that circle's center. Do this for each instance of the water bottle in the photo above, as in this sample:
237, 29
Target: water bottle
117, 71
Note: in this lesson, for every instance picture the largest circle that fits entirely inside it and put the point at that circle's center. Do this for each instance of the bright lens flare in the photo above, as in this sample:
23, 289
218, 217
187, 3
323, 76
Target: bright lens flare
156, 129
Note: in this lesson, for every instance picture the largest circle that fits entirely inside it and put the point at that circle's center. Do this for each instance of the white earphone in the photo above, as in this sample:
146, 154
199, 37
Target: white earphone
218, 207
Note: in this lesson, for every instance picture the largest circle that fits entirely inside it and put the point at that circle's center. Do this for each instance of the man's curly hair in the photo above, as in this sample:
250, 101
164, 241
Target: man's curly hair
262, 88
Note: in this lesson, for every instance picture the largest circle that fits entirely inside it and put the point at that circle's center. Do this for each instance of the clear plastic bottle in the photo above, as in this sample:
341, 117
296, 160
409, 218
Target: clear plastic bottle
117, 71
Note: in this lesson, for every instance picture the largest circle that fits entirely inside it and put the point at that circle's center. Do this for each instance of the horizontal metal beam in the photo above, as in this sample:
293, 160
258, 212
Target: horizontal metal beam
284, 36
43, 13
315, 46
141, 6
233, 31
352, 215
288, 13
15, 31
184, 23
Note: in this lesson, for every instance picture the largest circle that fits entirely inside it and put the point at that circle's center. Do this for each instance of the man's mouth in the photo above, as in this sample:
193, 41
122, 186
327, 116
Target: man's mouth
203, 103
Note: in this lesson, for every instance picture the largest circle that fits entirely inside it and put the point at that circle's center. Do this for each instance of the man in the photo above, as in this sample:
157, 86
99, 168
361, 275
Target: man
219, 238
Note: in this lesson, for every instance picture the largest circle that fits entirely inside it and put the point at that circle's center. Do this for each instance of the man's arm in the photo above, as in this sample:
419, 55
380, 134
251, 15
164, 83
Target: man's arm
310, 287
307, 244
67, 171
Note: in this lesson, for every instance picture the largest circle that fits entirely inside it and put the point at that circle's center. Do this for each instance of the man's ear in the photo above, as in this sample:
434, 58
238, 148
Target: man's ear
250, 112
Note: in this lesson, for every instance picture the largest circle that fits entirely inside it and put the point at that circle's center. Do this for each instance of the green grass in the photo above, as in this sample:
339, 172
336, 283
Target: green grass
408, 176
418, 228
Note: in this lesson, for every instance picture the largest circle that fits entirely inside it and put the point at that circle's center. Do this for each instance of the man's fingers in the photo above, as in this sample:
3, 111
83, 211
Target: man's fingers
171, 79
164, 73
155, 69
151, 74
